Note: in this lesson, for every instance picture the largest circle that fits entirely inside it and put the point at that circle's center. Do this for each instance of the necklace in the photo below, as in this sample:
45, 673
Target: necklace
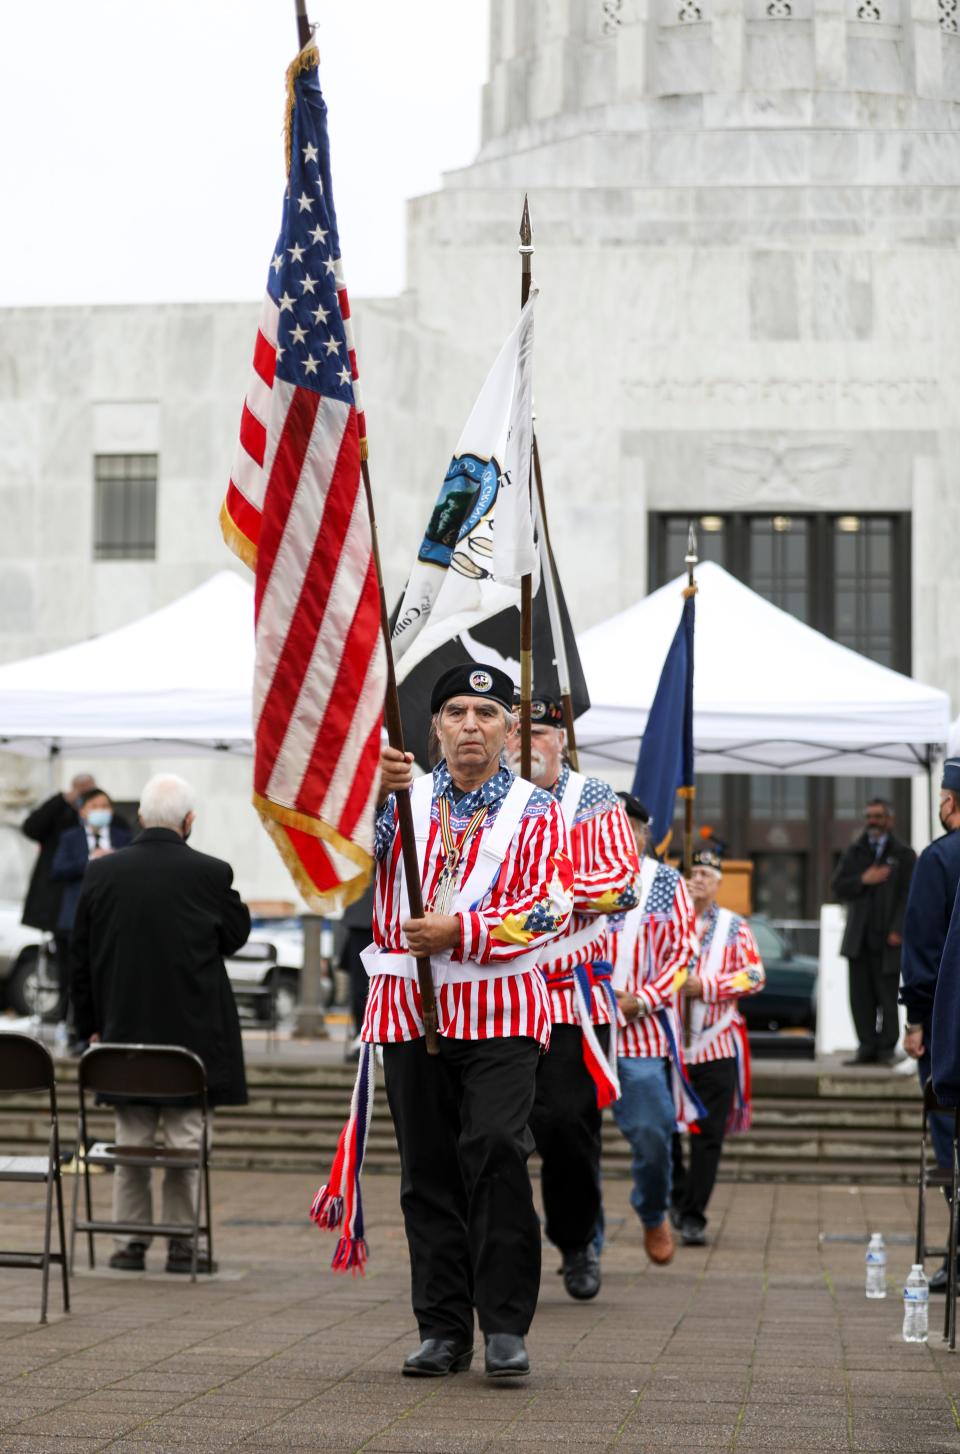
453, 849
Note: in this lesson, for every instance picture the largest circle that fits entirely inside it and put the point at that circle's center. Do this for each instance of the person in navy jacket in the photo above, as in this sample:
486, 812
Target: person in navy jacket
98, 833
933, 891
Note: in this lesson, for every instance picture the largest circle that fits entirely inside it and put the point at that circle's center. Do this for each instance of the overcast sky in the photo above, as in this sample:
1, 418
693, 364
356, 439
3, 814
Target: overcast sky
142, 155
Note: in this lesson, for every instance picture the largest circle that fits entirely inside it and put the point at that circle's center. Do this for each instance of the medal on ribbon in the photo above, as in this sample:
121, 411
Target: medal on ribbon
453, 849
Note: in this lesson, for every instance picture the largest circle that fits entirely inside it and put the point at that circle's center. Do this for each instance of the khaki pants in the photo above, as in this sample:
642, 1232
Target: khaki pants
132, 1195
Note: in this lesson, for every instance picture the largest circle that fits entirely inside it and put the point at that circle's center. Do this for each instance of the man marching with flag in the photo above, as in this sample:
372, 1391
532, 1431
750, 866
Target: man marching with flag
729, 966
577, 1077
497, 883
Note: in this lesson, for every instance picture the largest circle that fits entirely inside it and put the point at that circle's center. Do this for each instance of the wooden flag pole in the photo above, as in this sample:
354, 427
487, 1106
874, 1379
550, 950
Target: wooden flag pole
393, 722
304, 32
408, 843
526, 582
552, 586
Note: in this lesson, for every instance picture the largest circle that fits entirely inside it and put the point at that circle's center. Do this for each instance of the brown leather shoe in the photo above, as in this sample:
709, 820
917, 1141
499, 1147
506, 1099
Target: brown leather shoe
659, 1243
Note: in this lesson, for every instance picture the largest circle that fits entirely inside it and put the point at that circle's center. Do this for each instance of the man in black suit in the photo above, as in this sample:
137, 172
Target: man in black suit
873, 880
153, 924
41, 908
98, 833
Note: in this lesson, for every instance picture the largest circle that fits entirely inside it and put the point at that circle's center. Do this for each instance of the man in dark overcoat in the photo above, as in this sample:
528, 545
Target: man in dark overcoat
873, 880
153, 924
41, 907
933, 893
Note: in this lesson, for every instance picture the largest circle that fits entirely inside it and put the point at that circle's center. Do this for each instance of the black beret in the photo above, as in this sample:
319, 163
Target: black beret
634, 808
707, 858
950, 781
546, 711
472, 680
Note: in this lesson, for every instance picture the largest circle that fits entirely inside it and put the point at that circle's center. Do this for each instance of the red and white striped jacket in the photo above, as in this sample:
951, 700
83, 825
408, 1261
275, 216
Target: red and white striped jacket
652, 949
527, 904
605, 869
735, 970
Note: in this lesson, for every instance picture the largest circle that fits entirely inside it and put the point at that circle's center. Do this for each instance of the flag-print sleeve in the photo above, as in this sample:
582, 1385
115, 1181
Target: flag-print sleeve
742, 972
680, 950
532, 899
606, 865
385, 828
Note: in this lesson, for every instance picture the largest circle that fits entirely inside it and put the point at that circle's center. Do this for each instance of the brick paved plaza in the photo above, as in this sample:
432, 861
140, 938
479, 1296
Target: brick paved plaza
763, 1341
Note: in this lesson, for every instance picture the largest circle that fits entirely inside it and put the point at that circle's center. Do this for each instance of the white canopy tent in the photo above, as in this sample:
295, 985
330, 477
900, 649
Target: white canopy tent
176, 683
770, 694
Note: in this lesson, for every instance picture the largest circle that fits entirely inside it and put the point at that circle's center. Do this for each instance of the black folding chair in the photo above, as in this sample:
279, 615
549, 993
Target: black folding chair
944, 1180
26, 1067
166, 1075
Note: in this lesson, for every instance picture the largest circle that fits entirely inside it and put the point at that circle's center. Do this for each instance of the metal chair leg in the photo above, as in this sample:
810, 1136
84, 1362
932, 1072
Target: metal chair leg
206, 1188
47, 1228
952, 1250
922, 1198
65, 1276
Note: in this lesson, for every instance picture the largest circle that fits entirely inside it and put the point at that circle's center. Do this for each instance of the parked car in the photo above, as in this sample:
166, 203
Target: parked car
788, 1000
29, 982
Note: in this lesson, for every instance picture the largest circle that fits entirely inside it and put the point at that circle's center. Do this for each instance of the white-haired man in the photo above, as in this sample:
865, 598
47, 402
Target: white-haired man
496, 881
153, 924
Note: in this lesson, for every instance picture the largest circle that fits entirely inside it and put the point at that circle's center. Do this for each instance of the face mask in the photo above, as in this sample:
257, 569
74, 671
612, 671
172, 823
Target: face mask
99, 817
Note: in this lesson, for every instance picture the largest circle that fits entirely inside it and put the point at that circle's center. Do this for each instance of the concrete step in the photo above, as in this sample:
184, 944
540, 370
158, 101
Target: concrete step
809, 1124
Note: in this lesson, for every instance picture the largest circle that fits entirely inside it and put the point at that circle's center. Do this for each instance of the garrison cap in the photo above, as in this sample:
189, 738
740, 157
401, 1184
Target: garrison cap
472, 679
545, 711
950, 781
634, 808
707, 857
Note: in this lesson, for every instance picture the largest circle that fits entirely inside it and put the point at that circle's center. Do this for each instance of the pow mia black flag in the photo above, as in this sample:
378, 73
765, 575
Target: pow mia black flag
495, 641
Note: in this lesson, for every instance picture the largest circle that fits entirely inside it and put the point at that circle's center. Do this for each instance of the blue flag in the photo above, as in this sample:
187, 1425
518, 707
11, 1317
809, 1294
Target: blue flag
665, 763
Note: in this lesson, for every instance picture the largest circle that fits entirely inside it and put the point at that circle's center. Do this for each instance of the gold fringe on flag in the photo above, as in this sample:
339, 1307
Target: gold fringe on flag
307, 60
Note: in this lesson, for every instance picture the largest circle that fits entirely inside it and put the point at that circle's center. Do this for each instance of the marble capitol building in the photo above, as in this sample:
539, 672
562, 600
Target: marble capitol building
746, 218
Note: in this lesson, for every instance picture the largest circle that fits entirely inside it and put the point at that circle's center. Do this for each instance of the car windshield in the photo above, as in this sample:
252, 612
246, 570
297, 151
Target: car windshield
769, 942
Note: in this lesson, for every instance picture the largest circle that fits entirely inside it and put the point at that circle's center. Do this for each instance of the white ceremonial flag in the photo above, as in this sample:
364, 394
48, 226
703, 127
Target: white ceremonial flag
466, 568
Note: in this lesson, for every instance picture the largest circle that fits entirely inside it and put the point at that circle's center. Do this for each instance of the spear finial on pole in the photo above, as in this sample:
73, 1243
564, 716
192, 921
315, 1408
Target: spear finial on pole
691, 560
526, 582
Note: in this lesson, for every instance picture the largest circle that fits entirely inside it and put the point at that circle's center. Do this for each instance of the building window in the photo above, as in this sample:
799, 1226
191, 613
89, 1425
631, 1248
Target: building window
847, 575
125, 507
778, 561
863, 585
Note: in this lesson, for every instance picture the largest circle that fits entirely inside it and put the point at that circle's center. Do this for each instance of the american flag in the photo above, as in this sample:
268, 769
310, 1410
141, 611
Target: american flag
296, 512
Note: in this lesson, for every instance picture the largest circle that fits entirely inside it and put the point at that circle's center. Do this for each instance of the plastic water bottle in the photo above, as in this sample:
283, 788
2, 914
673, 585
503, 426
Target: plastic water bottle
61, 1039
916, 1305
876, 1267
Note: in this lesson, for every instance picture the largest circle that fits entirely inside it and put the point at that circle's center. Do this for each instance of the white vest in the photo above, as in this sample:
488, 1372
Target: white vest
711, 968
494, 844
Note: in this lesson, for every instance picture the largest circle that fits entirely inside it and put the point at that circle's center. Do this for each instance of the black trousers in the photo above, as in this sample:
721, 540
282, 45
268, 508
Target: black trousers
62, 941
873, 1003
715, 1083
472, 1229
356, 941
566, 1127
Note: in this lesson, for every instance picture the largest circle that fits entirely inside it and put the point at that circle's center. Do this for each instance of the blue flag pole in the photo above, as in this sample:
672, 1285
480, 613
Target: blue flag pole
688, 787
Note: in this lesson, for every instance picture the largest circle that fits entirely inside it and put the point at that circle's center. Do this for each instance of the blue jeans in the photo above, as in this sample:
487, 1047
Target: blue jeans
646, 1116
